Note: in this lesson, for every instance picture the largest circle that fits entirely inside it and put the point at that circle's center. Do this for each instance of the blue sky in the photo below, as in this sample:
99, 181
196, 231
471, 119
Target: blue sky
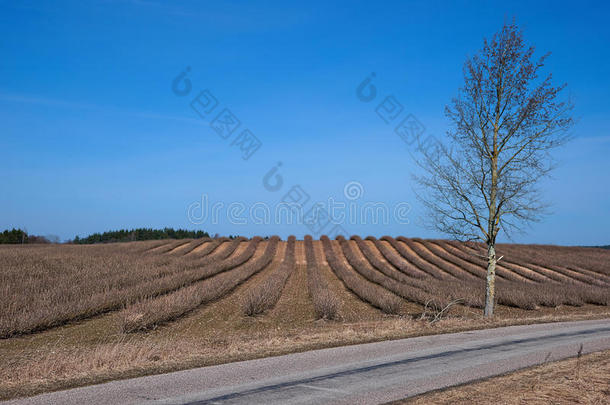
93, 137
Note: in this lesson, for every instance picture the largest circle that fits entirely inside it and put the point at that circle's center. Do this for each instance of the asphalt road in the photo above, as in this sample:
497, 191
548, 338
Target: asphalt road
361, 374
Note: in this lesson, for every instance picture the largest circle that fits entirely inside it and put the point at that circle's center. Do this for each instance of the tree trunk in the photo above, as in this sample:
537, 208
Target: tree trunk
491, 280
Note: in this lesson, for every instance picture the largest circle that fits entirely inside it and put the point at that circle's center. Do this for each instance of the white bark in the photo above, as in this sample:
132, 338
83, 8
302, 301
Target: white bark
491, 281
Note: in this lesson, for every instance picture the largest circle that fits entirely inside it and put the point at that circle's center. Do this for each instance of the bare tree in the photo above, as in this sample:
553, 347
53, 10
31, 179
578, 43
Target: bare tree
484, 176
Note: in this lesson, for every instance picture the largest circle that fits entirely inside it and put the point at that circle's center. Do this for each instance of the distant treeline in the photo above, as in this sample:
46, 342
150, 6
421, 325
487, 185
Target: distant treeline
130, 235
16, 236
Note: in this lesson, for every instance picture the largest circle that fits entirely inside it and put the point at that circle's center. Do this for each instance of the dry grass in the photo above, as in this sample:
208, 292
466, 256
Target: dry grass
366, 290
265, 295
412, 257
376, 261
514, 290
411, 292
171, 246
207, 242
477, 270
429, 291
64, 309
584, 380
326, 304
593, 259
207, 248
479, 262
42, 288
90, 353
462, 273
148, 314
45, 286
397, 260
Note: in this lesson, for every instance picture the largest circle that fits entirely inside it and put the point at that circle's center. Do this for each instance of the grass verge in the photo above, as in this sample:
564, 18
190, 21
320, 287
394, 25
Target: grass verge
65, 358
584, 380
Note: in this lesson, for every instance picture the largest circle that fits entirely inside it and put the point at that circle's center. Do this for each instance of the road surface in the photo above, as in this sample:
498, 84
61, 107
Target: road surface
361, 374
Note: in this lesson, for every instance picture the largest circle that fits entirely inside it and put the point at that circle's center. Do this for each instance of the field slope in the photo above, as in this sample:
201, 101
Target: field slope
121, 308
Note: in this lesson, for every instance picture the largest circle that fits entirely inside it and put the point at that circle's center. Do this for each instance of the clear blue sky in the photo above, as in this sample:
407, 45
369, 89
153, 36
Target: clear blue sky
93, 138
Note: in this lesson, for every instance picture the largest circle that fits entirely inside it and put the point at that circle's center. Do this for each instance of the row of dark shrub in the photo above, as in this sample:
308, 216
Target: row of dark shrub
18, 236
131, 235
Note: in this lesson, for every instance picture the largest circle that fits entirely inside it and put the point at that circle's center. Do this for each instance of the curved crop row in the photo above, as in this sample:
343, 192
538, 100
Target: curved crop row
140, 247
416, 260
377, 263
192, 246
397, 260
602, 277
364, 268
203, 258
182, 270
577, 276
592, 259
150, 313
147, 246
418, 291
479, 270
421, 251
62, 285
530, 296
570, 275
325, 303
264, 296
168, 248
211, 247
112, 290
370, 292
555, 290
426, 283
501, 269
518, 261
225, 262
183, 273
471, 292
46, 286
554, 262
